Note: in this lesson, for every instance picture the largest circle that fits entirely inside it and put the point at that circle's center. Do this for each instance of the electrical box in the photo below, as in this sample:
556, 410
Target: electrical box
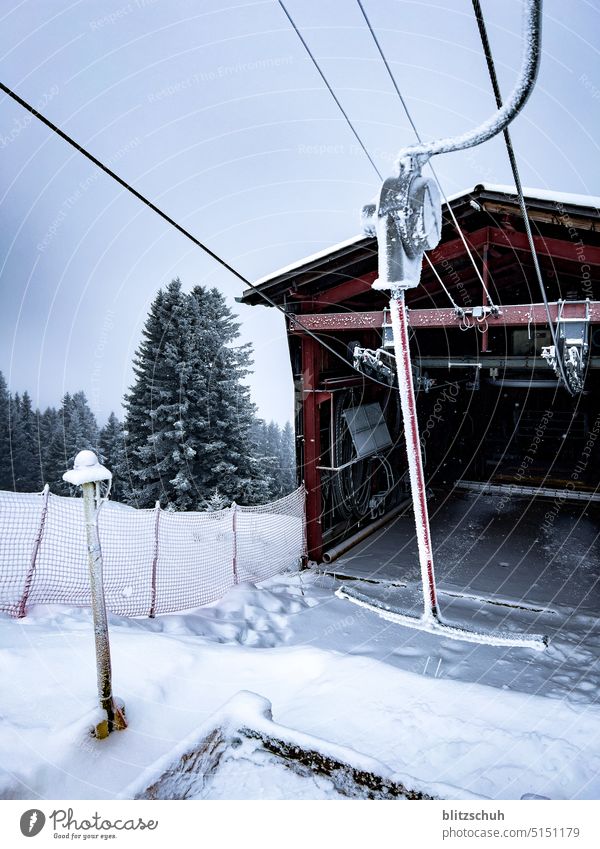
368, 429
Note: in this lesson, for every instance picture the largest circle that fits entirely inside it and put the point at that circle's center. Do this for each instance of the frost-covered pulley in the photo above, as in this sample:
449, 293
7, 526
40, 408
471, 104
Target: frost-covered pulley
407, 220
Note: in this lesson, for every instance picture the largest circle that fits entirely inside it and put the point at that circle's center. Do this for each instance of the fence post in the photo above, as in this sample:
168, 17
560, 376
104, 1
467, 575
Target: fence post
234, 524
87, 473
152, 613
304, 556
22, 610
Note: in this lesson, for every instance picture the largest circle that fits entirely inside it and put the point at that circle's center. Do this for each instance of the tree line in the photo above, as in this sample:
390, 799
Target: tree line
190, 438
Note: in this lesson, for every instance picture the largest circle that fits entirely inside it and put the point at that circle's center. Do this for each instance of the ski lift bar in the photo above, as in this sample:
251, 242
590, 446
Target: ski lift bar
407, 219
442, 629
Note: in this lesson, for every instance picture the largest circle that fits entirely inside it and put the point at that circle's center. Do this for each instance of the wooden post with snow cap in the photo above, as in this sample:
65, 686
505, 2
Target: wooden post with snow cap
87, 473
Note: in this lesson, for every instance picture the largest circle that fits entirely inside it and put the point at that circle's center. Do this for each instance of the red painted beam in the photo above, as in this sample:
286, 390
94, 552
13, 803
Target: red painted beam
311, 354
343, 291
514, 315
337, 321
572, 250
455, 248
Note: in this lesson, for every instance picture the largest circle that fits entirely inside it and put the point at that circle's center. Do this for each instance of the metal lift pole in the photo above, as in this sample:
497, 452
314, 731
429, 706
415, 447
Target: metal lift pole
407, 218
413, 450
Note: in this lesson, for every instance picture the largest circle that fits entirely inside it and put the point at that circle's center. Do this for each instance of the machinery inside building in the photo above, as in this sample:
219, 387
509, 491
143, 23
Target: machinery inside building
493, 413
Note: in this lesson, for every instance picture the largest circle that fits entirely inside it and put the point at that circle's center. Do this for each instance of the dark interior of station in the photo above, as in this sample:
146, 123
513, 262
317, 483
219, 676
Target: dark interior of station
492, 410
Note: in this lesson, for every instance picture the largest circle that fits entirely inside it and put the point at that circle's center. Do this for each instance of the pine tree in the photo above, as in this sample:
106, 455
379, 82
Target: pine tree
288, 459
87, 426
5, 462
189, 415
158, 406
224, 454
215, 503
77, 430
24, 451
48, 428
275, 449
111, 450
266, 448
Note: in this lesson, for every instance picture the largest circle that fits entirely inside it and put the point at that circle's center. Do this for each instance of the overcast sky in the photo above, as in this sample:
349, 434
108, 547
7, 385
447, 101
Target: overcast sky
214, 111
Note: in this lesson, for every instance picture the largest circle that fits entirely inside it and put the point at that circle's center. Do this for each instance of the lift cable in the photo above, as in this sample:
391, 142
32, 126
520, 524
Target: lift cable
331, 91
518, 185
358, 138
457, 309
417, 134
291, 316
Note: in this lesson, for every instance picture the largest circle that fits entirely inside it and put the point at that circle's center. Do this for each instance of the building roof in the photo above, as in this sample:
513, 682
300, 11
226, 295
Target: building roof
354, 256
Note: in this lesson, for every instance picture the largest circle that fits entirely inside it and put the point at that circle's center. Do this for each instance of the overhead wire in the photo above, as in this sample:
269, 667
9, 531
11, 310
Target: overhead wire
291, 316
330, 89
438, 277
128, 187
417, 134
518, 185
357, 136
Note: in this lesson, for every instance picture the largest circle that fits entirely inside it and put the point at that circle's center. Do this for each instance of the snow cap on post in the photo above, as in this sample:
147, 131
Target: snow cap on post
86, 469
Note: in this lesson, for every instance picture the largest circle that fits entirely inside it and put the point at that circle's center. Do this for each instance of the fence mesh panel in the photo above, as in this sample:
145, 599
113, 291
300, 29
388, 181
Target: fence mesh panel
265, 534
155, 561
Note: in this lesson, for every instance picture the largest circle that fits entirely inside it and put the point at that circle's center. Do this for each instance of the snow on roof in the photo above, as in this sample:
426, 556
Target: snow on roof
537, 194
299, 263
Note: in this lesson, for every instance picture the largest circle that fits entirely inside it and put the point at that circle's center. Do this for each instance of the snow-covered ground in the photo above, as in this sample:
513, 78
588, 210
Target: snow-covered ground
496, 722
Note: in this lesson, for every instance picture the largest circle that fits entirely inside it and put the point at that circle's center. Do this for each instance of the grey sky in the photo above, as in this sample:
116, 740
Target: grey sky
215, 112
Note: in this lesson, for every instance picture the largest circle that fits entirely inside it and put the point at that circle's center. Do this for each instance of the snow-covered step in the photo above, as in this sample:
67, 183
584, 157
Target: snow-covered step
242, 739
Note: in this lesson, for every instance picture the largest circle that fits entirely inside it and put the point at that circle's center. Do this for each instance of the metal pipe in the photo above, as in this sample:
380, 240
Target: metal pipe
333, 553
532, 28
413, 451
515, 383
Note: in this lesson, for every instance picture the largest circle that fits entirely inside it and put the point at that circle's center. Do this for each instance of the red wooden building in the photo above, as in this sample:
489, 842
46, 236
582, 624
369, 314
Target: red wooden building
484, 389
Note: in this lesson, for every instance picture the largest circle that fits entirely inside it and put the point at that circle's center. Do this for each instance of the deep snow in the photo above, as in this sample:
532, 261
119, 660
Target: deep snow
497, 722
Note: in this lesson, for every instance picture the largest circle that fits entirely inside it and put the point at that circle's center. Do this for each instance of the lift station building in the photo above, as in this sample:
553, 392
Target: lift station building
493, 416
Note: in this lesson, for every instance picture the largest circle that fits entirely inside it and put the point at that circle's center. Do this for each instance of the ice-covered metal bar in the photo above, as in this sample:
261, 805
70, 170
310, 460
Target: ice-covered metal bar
413, 452
532, 30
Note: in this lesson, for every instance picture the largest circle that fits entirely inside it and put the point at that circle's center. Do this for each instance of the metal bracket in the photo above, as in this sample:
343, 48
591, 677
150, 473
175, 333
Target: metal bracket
572, 336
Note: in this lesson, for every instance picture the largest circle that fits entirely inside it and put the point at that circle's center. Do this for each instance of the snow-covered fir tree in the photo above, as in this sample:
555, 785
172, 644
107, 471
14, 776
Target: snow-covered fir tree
188, 413
216, 502
275, 449
157, 446
224, 457
111, 452
77, 430
288, 459
6, 472
48, 425
24, 447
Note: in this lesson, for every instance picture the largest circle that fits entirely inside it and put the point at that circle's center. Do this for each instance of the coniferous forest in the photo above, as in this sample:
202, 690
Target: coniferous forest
190, 437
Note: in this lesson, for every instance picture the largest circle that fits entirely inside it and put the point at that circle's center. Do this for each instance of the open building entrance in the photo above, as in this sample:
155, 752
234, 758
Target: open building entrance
496, 428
